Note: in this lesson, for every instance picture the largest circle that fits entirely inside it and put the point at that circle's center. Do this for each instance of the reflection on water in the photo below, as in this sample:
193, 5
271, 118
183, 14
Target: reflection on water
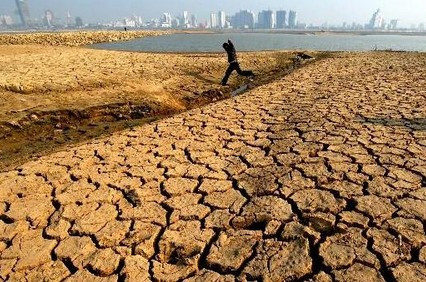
269, 41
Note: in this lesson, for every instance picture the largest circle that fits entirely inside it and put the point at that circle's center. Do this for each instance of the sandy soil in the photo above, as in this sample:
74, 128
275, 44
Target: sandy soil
74, 38
47, 94
318, 176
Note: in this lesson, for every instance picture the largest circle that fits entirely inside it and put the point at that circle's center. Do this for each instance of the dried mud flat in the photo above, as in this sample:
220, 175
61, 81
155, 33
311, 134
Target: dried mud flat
318, 176
53, 96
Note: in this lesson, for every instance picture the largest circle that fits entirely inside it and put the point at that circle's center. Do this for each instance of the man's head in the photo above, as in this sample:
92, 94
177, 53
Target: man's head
225, 46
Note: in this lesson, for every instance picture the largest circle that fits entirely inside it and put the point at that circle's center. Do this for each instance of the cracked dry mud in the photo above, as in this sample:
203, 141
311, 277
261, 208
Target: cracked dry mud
318, 176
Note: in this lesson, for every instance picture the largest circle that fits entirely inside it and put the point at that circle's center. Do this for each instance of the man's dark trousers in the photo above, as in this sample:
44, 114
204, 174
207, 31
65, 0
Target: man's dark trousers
235, 66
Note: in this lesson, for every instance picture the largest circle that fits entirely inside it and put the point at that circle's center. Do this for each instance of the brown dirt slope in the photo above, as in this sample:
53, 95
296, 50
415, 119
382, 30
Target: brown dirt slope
320, 175
51, 96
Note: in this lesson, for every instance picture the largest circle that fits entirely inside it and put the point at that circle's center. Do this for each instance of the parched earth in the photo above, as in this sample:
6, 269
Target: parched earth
319, 176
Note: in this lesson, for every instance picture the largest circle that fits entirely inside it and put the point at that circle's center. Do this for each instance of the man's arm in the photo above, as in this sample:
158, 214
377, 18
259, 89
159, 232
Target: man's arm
230, 43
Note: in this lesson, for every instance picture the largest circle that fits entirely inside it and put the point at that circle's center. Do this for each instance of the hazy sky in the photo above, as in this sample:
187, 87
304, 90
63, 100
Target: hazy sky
309, 11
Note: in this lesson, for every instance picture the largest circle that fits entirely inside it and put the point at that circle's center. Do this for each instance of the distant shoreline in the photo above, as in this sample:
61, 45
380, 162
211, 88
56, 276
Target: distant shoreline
224, 31
312, 32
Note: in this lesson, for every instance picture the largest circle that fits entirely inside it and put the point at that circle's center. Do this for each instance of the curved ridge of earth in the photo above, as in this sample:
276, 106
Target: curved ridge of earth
318, 176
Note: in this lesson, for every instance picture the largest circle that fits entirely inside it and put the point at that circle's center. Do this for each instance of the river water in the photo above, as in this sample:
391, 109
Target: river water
269, 41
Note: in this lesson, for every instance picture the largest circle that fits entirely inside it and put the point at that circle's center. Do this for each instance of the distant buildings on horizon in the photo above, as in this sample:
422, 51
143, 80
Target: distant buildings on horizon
243, 19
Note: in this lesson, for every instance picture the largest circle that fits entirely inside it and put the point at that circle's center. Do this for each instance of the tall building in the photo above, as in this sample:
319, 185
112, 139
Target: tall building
68, 19
292, 19
266, 20
377, 20
393, 24
213, 20
222, 19
185, 18
6, 20
243, 19
281, 19
24, 11
166, 20
194, 22
48, 18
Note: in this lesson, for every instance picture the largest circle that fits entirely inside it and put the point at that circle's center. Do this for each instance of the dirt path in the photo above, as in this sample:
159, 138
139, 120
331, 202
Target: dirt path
320, 175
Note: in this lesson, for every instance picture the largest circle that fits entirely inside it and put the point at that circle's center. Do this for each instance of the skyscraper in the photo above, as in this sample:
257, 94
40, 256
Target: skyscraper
194, 22
292, 19
281, 19
377, 20
24, 11
243, 19
48, 18
185, 18
166, 20
266, 19
222, 19
213, 20
68, 19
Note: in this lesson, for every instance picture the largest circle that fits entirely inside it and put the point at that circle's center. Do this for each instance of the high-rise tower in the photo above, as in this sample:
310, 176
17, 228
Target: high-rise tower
24, 11
222, 19
292, 19
281, 19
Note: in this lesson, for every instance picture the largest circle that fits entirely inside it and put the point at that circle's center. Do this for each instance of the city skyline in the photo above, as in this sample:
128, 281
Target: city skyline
328, 11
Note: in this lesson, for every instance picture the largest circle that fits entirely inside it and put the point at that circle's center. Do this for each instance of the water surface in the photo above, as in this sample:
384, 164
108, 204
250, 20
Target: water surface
269, 41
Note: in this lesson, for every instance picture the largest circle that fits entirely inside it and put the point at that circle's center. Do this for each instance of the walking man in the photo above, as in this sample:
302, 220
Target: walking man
233, 63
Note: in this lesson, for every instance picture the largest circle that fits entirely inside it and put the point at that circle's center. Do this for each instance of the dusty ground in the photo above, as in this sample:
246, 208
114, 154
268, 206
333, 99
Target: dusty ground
74, 38
50, 96
317, 176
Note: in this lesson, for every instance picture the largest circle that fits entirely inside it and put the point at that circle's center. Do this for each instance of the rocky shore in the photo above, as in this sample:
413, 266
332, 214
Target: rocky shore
76, 38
